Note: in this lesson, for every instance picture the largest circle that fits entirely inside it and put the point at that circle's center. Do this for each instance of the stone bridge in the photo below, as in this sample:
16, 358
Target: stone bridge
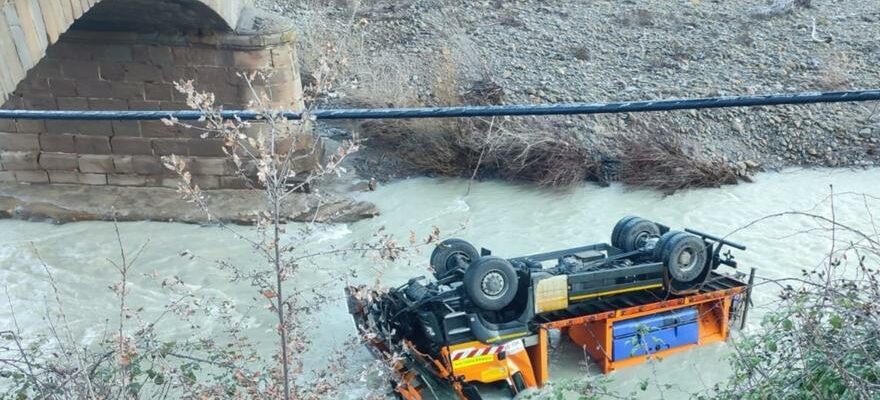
126, 54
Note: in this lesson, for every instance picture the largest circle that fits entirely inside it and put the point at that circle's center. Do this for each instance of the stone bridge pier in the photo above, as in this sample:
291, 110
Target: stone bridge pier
126, 55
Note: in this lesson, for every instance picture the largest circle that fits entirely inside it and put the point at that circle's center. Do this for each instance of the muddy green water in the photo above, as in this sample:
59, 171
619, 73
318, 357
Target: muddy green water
509, 219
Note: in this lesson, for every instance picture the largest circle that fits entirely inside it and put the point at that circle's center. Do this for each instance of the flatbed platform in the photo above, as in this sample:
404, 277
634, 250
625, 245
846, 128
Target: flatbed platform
590, 324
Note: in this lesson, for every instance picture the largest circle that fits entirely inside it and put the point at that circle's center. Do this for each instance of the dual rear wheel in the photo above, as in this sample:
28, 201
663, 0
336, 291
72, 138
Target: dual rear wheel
685, 256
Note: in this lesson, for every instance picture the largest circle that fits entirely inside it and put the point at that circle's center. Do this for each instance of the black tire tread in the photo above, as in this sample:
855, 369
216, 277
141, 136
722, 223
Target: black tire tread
519, 383
447, 248
659, 248
618, 227
629, 232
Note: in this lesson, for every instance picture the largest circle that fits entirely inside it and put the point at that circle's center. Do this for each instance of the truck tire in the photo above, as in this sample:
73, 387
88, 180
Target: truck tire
617, 227
658, 248
519, 384
443, 258
633, 234
685, 258
491, 283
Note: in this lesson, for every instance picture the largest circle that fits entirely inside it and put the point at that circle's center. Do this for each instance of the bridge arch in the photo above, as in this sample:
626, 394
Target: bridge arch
127, 54
29, 27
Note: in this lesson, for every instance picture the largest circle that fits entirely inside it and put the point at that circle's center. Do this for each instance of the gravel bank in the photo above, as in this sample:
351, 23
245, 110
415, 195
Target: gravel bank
562, 51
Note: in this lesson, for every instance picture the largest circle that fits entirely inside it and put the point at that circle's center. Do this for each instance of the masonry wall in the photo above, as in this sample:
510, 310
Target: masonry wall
127, 71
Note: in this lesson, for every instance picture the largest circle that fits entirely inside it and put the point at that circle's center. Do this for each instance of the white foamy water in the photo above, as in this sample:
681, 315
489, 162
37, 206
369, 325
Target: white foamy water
509, 219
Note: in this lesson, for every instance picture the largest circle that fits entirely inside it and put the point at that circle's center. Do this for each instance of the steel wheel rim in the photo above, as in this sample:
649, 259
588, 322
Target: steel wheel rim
492, 284
687, 264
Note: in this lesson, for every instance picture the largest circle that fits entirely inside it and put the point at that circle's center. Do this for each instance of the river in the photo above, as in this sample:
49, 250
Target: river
509, 219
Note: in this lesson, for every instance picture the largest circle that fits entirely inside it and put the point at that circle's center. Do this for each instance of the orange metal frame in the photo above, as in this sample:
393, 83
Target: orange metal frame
593, 331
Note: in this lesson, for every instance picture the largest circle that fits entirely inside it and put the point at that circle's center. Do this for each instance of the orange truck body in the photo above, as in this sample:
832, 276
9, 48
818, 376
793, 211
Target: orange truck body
523, 362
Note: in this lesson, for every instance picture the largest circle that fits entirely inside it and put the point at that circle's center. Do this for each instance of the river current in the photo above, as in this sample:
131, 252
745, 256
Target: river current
509, 219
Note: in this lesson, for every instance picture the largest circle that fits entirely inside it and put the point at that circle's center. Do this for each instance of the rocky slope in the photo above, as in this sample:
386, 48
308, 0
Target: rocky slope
399, 52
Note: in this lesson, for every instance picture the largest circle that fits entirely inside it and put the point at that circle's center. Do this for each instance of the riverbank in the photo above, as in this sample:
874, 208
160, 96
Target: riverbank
446, 52
72, 203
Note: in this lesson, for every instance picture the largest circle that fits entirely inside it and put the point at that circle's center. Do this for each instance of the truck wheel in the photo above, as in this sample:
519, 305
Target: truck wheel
685, 256
491, 283
658, 248
519, 384
617, 228
444, 257
633, 234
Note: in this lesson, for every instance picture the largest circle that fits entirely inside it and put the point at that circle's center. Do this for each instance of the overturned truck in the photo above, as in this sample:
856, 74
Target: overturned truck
485, 319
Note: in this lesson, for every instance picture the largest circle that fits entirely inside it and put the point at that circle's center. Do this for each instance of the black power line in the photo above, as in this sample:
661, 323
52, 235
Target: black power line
472, 111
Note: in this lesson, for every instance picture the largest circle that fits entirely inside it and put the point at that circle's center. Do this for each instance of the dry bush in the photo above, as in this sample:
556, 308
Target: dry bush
484, 92
661, 162
323, 43
435, 146
529, 149
821, 339
534, 150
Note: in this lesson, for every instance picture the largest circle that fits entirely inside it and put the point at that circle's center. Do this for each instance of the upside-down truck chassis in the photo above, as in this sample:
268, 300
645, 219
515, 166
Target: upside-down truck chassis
651, 292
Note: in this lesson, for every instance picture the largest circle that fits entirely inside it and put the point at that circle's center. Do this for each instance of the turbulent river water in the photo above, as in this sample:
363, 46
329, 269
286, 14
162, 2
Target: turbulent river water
510, 219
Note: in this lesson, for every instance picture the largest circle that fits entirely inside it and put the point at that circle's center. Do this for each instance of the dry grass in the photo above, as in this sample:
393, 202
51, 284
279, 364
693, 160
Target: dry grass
484, 92
661, 162
529, 149
526, 149
534, 150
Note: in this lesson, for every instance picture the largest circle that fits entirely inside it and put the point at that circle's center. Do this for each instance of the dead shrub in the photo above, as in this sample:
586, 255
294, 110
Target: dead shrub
530, 150
533, 150
662, 162
484, 92
435, 146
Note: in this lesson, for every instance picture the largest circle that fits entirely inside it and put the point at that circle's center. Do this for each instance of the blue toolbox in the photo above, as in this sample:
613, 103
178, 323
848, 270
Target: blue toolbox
653, 333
